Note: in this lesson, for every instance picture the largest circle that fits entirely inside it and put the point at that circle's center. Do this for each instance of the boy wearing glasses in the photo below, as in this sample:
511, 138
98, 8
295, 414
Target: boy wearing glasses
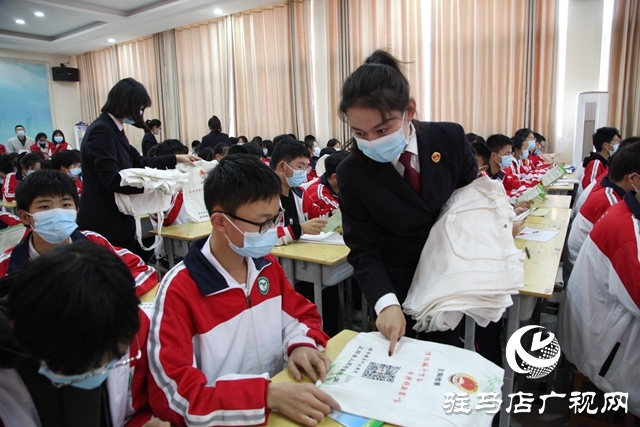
226, 318
301, 216
72, 343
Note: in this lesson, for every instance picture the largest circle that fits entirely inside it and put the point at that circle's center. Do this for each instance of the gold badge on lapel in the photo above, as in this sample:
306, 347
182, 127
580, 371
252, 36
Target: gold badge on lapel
435, 157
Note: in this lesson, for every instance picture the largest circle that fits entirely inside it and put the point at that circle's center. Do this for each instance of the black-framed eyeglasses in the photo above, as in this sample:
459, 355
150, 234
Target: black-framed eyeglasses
264, 226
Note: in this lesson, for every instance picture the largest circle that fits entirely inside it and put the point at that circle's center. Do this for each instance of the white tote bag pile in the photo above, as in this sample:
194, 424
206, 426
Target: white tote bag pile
159, 186
408, 389
469, 264
193, 191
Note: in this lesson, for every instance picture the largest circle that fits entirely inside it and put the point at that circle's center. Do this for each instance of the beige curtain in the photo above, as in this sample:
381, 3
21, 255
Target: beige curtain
338, 67
493, 64
136, 59
624, 71
302, 68
202, 55
167, 98
98, 74
262, 71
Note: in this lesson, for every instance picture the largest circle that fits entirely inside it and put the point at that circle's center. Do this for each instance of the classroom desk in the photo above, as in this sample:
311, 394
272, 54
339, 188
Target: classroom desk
560, 188
321, 264
539, 279
9, 206
188, 232
150, 295
554, 201
334, 347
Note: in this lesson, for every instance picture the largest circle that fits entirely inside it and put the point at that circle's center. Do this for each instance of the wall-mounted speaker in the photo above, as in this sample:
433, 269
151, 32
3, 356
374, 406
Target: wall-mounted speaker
64, 74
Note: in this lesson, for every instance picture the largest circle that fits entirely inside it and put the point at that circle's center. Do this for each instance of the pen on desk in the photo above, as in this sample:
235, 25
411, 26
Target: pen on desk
528, 232
526, 249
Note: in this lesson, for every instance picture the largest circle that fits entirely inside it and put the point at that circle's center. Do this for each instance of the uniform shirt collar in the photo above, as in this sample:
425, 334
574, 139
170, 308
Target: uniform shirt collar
632, 202
117, 122
412, 144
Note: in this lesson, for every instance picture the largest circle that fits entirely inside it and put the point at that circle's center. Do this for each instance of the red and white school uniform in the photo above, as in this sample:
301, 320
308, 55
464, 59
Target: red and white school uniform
594, 165
14, 259
322, 194
599, 320
513, 184
602, 197
78, 183
214, 342
45, 152
305, 210
8, 220
537, 162
9, 187
64, 145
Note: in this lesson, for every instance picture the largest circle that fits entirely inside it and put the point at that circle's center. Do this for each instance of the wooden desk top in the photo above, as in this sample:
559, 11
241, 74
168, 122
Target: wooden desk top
540, 271
188, 232
9, 205
313, 252
564, 187
554, 201
151, 295
334, 347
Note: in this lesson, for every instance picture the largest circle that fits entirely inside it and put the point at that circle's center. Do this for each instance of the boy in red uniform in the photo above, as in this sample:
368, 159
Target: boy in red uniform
324, 192
68, 162
605, 141
226, 318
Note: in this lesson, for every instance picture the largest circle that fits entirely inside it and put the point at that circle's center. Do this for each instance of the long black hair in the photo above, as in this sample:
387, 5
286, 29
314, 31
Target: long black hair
126, 99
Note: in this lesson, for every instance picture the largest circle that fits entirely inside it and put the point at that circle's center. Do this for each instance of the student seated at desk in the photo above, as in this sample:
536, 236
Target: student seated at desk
599, 320
501, 159
324, 192
301, 215
227, 318
623, 176
69, 162
535, 158
27, 164
47, 203
605, 141
73, 343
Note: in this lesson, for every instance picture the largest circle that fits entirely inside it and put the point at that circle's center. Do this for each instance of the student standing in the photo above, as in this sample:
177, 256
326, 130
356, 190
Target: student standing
605, 141
215, 136
150, 137
400, 173
21, 142
105, 151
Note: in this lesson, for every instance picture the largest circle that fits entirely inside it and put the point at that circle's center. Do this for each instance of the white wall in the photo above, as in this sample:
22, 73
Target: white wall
66, 95
582, 69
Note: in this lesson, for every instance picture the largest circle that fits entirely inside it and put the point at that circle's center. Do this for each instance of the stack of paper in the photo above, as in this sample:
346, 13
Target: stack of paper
325, 238
552, 175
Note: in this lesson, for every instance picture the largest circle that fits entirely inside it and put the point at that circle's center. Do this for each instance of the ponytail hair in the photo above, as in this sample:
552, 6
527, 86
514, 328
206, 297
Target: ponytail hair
153, 123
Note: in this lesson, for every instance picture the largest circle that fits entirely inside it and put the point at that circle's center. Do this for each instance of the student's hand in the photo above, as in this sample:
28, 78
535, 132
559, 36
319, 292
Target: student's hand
187, 158
517, 227
518, 211
157, 423
523, 204
313, 226
335, 211
305, 404
392, 324
310, 361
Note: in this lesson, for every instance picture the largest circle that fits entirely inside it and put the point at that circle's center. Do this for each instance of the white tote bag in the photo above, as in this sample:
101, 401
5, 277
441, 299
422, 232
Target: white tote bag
193, 192
408, 389
159, 187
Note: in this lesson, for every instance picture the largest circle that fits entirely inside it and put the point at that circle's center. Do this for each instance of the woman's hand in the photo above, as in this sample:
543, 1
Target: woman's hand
187, 158
392, 324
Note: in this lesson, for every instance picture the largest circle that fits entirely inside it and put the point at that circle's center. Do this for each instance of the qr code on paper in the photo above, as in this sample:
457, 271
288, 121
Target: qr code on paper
380, 372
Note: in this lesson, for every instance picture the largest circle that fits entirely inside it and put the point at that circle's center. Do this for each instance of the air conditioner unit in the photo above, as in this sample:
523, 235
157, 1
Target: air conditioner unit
593, 113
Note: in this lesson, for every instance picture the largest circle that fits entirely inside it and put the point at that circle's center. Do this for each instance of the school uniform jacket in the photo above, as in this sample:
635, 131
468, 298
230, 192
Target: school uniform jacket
305, 209
105, 151
212, 139
599, 321
14, 259
59, 146
214, 343
148, 141
8, 220
537, 162
128, 403
601, 198
45, 152
9, 186
594, 165
386, 223
322, 194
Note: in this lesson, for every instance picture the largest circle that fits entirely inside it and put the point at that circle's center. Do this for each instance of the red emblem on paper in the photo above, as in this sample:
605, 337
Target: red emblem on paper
464, 382
435, 157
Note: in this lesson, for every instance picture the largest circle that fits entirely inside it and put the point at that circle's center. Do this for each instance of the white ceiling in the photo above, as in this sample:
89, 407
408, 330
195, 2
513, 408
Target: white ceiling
73, 27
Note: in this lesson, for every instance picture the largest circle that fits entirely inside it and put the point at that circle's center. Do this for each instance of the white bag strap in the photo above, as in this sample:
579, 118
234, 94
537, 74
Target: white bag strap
158, 240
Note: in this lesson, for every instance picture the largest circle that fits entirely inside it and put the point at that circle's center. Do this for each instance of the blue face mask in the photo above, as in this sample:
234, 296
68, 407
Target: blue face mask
58, 139
316, 151
130, 121
88, 381
254, 244
537, 152
55, 225
615, 149
506, 161
525, 154
386, 148
298, 178
265, 151
532, 144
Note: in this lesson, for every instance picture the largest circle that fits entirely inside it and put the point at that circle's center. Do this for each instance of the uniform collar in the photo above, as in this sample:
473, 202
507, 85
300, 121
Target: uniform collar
632, 202
117, 122
412, 144
605, 182
209, 275
324, 181
23, 251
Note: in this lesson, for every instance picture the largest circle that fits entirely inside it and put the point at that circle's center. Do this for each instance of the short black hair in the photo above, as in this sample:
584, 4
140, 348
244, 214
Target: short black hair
125, 99
238, 149
268, 144
497, 142
18, 126
287, 149
253, 149
26, 160
206, 154
472, 137
195, 143
64, 159
625, 161
539, 138
524, 132
6, 164
45, 182
518, 142
244, 138
171, 146
220, 148
40, 135
310, 138
332, 142
328, 150
153, 151
482, 150
214, 124
331, 163
239, 179
628, 141
233, 141
604, 134
281, 137
74, 305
